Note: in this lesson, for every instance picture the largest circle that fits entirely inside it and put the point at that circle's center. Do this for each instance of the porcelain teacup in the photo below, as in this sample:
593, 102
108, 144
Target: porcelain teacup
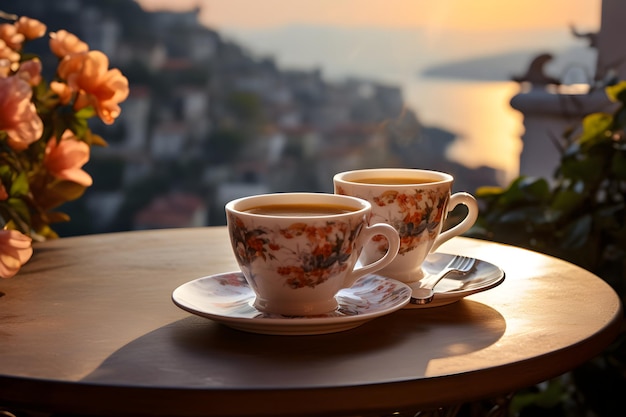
416, 203
297, 250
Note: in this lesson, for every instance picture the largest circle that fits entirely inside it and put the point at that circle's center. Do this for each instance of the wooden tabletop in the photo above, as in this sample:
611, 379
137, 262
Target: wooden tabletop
88, 327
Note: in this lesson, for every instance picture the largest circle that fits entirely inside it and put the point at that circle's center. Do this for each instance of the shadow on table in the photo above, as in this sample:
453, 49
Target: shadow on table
197, 352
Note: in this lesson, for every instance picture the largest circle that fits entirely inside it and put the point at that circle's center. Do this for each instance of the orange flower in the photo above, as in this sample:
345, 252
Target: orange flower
18, 115
256, 244
15, 251
5, 67
63, 43
97, 85
324, 250
8, 53
30, 28
65, 158
30, 71
10, 35
62, 90
388, 197
274, 246
294, 229
39, 156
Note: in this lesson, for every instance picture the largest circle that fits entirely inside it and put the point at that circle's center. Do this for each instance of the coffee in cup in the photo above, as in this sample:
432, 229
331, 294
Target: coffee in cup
297, 250
416, 203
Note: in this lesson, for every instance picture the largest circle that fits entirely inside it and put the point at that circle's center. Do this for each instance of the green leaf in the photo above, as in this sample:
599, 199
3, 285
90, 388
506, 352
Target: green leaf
538, 188
19, 187
19, 208
78, 126
618, 165
524, 190
527, 215
5, 171
566, 201
95, 140
85, 113
57, 217
617, 92
46, 232
576, 234
585, 168
15, 212
60, 192
596, 128
620, 117
515, 216
547, 398
486, 191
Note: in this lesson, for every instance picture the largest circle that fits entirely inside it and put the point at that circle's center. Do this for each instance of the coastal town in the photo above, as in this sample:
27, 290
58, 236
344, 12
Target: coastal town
208, 120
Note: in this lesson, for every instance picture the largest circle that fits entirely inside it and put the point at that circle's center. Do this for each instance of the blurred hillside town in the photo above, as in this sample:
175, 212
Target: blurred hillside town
208, 121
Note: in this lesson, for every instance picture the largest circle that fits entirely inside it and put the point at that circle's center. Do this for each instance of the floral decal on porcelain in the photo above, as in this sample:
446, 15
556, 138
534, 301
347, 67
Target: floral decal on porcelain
321, 251
381, 292
410, 213
249, 244
232, 280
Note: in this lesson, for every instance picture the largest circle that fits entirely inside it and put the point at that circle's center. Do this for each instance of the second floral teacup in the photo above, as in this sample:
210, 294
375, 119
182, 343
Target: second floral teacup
416, 203
297, 250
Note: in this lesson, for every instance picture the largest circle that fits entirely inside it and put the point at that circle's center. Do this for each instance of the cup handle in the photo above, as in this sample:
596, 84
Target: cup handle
472, 206
393, 240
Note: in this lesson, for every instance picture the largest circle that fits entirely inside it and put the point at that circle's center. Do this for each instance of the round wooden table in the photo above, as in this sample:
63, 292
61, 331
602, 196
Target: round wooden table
88, 328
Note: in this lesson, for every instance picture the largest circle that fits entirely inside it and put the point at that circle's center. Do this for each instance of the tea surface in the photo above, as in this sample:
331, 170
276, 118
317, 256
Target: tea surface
305, 210
393, 180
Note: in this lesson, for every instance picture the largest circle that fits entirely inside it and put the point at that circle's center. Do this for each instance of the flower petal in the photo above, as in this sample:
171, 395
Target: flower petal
30, 28
64, 159
18, 115
15, 250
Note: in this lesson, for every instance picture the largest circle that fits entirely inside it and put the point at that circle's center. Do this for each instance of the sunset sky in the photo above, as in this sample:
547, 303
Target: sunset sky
442, 14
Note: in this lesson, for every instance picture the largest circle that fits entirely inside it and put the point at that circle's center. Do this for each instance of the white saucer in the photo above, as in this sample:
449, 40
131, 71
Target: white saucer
226, 298
482, 277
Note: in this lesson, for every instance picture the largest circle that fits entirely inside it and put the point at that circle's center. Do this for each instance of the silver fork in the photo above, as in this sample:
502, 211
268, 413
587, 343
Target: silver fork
459, 265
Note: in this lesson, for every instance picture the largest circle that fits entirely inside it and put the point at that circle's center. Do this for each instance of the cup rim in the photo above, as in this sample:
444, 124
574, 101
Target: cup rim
348, 177
238, 205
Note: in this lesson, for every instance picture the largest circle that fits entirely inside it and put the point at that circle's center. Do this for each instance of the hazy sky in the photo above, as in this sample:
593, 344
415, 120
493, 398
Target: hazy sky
434, 14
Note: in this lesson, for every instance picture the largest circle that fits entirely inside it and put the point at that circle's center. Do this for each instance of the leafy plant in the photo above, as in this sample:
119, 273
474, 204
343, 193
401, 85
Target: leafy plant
579, 215
45, 138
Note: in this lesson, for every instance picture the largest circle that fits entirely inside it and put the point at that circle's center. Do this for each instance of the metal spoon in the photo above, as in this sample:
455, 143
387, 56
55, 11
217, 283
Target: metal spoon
459, 264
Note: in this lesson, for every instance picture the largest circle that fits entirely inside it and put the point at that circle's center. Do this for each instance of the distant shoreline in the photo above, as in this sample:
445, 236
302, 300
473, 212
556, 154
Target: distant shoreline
505, 66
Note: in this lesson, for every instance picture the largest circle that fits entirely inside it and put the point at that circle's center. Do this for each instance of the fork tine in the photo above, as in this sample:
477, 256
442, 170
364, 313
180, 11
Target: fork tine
459, 264
467, 264
456, 261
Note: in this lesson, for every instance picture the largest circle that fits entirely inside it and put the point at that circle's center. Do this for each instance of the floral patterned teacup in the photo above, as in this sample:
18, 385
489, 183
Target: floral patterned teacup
416, 203
297, 250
